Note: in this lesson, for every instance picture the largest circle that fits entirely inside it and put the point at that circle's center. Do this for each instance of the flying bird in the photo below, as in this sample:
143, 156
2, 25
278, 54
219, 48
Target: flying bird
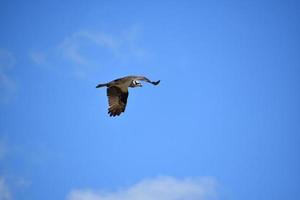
117, 92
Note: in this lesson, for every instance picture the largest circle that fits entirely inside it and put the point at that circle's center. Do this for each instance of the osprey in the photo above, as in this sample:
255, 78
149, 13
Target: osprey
117, 92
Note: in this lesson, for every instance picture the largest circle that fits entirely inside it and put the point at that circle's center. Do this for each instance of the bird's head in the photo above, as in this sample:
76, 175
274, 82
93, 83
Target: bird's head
135, 83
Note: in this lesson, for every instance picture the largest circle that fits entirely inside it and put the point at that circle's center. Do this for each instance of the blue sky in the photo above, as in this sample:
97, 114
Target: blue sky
223, 123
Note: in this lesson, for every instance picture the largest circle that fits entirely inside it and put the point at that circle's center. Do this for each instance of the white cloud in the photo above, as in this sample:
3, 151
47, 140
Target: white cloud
4, 190
10, 184
7, 84
38, 57
7, 59
161, 188
22, 182
118, 47
100, 38
84, 53
70, 49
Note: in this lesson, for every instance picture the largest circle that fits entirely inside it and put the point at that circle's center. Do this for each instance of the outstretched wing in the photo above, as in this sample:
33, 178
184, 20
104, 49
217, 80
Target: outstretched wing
117, 100
143, 78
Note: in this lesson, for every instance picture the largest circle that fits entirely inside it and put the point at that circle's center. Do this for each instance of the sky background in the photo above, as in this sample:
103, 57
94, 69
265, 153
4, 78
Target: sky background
222, 124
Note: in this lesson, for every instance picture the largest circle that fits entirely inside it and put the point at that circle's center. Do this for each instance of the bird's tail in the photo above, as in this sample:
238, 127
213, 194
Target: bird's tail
101, 85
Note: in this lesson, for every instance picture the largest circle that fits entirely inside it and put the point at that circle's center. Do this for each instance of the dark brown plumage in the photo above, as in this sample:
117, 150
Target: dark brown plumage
117, 92
117, 100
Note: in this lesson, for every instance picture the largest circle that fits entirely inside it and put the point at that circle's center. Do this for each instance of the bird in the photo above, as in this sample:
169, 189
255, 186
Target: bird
117, 92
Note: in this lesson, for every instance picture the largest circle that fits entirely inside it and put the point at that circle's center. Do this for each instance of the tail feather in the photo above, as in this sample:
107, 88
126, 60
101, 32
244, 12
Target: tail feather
101, 85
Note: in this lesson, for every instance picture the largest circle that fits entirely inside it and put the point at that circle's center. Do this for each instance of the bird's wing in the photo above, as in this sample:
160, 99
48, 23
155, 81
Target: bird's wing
117, 100
143, 78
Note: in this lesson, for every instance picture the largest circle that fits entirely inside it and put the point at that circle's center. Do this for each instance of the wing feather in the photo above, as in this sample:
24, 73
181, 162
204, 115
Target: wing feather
117, 100
143, 78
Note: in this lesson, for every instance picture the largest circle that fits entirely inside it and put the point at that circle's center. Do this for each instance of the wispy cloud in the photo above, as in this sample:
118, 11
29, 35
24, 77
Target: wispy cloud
7, 84
38, 57
70, 49
11, 184
119, 47
161, 188
5, 193
22, 182
85, 51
